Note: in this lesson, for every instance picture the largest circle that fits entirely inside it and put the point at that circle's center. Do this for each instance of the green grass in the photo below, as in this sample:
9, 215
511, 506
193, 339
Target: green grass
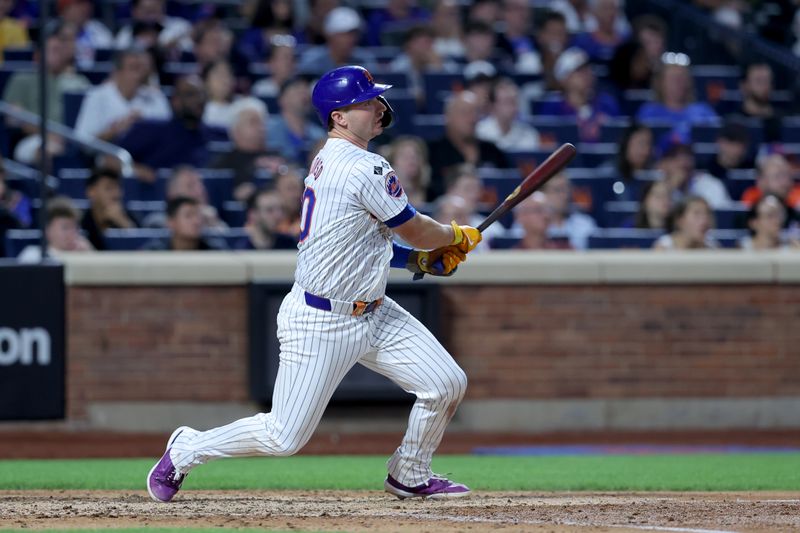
700, 472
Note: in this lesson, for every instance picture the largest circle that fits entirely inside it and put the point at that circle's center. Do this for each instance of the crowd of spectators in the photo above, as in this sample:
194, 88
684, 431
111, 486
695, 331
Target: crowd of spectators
194, 92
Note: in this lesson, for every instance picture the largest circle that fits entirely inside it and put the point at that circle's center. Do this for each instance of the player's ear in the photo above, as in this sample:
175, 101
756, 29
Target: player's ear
338, 117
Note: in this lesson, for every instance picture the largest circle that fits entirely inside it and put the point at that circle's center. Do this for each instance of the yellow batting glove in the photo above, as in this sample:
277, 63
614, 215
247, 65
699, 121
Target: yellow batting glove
466, 238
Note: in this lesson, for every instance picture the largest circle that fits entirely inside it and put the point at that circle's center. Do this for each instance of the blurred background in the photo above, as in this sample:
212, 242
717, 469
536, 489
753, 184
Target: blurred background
188, 126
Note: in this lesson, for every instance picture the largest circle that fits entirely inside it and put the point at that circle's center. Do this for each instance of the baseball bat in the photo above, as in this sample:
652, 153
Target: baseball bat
538, 177
532, 182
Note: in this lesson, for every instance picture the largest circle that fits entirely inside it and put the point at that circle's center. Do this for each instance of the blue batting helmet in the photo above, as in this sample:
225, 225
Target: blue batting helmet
348, 85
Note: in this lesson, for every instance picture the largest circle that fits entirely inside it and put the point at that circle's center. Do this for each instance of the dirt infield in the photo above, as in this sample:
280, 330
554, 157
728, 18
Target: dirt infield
376, 511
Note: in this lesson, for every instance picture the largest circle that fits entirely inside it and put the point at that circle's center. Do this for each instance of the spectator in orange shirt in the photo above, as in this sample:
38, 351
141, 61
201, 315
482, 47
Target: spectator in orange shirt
775, 177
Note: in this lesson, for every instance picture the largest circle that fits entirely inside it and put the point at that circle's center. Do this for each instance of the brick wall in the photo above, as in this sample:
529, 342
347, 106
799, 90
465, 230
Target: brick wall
574, 341
619, 341
155, 344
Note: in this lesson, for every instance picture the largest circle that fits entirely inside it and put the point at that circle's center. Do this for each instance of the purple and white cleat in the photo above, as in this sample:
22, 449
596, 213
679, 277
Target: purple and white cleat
163, 481
437, 488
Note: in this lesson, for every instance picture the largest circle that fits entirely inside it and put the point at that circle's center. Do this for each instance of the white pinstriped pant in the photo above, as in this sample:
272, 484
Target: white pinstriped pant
317, 349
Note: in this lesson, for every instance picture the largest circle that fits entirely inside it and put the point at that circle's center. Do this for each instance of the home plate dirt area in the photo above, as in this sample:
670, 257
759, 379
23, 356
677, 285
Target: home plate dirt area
377, 511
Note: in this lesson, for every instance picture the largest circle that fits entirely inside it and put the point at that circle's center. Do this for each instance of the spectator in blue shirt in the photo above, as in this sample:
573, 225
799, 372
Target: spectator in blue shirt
674, 91
183, 139
601, 42
580, 99
292, 133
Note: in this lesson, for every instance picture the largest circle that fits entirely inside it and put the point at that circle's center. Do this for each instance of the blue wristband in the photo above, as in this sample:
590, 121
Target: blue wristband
400, 255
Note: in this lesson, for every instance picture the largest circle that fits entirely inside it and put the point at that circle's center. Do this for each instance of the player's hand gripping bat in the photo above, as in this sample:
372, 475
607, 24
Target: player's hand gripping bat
538, 177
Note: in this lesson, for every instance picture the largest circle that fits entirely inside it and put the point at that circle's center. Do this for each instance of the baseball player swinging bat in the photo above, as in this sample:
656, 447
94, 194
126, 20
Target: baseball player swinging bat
538, 177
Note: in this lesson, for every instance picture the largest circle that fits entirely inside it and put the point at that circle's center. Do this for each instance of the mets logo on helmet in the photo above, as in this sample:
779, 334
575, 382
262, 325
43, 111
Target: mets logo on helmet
393, 186
369, 76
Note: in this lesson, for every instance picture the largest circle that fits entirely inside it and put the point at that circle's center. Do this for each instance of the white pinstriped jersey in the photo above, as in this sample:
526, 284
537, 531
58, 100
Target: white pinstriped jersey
345, 247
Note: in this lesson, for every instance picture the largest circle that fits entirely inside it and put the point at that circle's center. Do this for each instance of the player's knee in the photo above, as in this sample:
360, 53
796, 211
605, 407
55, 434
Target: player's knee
455, 386
285, 448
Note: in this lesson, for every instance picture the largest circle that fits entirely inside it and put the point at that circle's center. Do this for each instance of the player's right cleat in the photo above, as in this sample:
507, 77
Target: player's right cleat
163, 481
437, 488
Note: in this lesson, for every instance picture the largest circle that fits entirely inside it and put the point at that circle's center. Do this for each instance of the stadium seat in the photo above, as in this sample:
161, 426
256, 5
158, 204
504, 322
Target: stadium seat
616, 214
437, 87
72, 182
140, 210
740, 180
17, 239
428, 127
623, 238
132, 239
405, 109
72, 107
22, 53
98, 73
234, 213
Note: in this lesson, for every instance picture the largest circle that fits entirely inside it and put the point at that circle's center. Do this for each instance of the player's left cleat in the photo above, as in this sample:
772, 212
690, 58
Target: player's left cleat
437, 487
163, 481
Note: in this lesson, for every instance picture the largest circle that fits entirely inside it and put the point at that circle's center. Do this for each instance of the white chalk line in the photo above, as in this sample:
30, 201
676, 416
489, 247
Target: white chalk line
454, 518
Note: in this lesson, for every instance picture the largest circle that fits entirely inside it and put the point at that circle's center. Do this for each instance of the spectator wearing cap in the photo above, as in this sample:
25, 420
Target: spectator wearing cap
249, 155
551, 39
92, 34
674, 91
460, 144
756, 88
732, 153
418, 58
398, 15
22, 90
292, 133
601, 41
61, 232
280, 64
677, 164
109, 109
183, 139
342, 31
579, 98
173, 33
774, 177
515, 38
503, 126
479, 78
265, 215
106, 210
448, 29
185, 223
13, 33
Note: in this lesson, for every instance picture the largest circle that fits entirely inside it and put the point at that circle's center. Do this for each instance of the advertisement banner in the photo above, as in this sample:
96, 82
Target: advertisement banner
31, 342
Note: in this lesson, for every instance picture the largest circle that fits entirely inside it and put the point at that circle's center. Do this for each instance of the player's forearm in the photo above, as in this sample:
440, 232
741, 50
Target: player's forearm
425, 233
